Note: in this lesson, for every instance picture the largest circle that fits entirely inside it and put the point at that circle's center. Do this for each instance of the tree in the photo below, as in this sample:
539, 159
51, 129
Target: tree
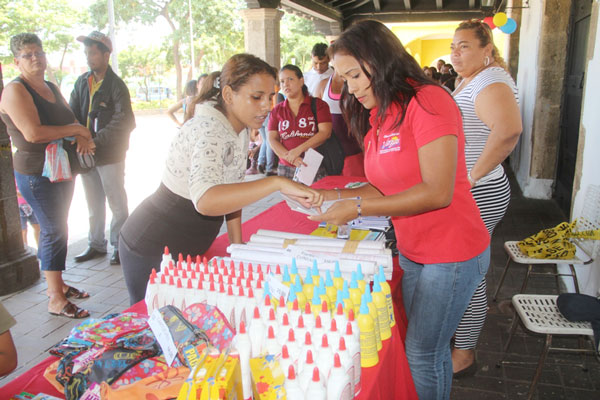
216, 25
51, 20
298, 37
145, 64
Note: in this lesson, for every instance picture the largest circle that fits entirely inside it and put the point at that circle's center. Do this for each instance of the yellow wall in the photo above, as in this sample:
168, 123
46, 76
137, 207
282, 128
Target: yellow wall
429, 41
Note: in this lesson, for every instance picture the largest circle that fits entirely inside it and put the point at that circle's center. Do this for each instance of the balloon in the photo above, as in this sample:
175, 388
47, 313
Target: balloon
500, 19
509, 27
490, 22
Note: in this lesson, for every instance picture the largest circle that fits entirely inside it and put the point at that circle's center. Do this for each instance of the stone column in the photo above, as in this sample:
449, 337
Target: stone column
261, 34
18, 265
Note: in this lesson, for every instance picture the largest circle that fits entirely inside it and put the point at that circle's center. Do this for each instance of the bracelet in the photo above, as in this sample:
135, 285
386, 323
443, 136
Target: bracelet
339, 193
472, 181
358, 210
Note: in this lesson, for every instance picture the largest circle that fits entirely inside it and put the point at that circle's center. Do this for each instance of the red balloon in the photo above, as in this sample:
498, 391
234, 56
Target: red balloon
490, 22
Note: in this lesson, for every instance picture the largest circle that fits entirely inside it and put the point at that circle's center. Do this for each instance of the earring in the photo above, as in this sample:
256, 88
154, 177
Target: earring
486, 61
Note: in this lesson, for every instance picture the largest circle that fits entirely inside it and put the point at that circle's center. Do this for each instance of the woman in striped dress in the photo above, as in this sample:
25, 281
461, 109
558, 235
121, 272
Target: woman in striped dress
488, 99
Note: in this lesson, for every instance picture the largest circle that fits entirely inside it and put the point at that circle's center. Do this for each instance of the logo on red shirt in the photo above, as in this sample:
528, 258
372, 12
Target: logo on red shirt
390, 142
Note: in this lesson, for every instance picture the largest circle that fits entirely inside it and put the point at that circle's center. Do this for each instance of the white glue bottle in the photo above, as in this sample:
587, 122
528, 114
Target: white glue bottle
239, 309
307, 347
243, 345
353, 346
283, 329
257, 334
166, 257
306, 371
272, 347
338, 383
293, 346
151, 297
324, 358
347, 363
291, 385
316, 389
285, 360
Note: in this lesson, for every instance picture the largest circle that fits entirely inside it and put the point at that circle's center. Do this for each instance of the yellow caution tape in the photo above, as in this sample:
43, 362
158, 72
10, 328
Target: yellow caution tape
554, 242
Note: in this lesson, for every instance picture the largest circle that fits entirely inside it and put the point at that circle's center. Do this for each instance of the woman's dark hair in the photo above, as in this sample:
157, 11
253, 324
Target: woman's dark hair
298, 72
483, 33
235, 73
191, 88
21, 40
395, 75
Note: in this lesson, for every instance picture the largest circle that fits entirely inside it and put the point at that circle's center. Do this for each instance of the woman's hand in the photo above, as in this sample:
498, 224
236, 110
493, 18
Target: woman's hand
339, 213
85, 146
306, 196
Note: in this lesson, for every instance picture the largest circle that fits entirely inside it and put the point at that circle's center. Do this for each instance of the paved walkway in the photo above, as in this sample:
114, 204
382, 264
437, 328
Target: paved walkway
36, 330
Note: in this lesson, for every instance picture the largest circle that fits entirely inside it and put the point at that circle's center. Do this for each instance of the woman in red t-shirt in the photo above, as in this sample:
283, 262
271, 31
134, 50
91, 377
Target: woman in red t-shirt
411, 131
292, 126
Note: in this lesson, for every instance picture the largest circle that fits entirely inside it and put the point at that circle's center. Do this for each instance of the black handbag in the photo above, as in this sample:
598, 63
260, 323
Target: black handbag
80, 163
332, 151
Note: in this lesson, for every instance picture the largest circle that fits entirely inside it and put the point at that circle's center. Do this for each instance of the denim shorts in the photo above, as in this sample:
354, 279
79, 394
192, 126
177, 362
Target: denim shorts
50, 203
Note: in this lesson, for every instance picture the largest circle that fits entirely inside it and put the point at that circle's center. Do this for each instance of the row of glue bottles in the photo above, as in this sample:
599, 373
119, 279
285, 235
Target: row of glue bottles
375, 309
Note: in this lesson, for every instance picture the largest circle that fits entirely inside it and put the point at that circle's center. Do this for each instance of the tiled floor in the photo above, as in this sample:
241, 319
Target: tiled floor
36, 330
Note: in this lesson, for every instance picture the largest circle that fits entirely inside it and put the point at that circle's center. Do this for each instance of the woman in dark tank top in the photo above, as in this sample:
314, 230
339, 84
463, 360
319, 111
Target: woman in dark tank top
35, 114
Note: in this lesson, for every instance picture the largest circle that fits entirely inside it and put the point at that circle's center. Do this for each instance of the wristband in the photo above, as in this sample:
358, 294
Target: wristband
358, 210
339, 193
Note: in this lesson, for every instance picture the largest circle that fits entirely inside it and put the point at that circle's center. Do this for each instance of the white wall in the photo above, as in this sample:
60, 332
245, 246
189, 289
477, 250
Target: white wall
529, 41
589, 275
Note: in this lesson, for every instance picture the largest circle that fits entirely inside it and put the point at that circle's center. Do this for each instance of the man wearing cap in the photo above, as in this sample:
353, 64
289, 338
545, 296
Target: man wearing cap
100, 101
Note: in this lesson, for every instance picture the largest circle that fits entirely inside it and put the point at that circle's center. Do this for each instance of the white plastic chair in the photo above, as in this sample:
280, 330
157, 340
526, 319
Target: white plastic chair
589, 220
540, 314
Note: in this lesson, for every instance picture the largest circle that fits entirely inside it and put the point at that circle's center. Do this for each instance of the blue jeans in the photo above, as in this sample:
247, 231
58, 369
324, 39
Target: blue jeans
50, 203
266, 156
105, 182
435, 298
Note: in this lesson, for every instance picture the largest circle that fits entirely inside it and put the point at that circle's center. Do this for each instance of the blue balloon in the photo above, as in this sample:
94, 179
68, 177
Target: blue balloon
509, 27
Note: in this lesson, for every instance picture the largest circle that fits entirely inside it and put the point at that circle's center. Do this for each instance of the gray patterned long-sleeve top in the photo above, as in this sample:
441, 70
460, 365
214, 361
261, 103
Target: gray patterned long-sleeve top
206, 152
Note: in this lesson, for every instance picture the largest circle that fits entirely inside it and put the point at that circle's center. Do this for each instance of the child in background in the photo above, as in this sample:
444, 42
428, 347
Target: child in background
253, 150
26, 214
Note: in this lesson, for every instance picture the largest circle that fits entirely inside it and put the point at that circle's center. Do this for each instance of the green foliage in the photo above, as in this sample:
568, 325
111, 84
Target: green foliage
298, 36
51, 20
142, 66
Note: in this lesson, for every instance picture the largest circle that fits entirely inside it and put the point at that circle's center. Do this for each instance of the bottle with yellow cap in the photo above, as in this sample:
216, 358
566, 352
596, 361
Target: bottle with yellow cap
387, 291
373, 314
368, 344
382, 310
330, 289
315, 304
308, 287
355, 293
322, 292
338, 280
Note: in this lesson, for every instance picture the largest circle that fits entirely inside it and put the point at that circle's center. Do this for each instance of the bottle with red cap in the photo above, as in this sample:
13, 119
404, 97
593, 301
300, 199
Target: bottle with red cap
242, 343
306, 371
333, 334
257, 333
306, 347
285, 360
178, 295
239, 309
338, 382
291, 385
226, 303
283, 329
319, 329
151, 297
166, 258
353, 345
315, 389
346, 361
324, 357
272, 347
293, 345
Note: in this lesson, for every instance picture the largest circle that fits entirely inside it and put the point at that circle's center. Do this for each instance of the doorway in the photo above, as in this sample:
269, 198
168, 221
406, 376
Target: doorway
571, 103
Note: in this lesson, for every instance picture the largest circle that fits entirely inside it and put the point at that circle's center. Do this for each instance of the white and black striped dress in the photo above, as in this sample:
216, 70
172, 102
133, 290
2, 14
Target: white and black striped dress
491, 194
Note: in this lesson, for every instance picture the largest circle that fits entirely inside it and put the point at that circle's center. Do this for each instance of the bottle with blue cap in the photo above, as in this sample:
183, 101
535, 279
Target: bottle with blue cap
368, 344
338, 280
360, 278
387, 291
286, 279
345, 296
373, 314
299, 292
315, 303
355, 293
308, 287
382, 310
330, 288
294, 271
315, 273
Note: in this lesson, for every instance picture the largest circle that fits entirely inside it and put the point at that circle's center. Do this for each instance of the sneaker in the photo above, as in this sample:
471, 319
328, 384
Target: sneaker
261, 169
251, 171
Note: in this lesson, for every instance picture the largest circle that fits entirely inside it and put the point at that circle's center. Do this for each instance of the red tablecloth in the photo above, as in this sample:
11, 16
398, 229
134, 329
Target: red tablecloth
390, 379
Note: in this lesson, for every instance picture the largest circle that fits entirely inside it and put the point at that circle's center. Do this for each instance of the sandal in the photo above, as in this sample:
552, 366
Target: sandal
76, 293
70, 310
